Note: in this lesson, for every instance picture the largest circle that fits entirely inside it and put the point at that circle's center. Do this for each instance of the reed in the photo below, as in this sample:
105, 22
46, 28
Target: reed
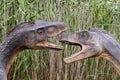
78, 15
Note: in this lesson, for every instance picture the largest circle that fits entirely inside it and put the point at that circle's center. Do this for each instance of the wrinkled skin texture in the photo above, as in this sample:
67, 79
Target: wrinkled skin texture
94, 43
27, 35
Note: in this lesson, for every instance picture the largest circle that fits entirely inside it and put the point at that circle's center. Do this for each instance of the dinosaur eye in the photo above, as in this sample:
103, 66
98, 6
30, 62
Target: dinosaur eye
83, 36
40, 32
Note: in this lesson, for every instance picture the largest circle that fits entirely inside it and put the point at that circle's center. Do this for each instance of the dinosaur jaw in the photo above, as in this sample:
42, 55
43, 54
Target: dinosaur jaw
80, 55
85, 52
48, 45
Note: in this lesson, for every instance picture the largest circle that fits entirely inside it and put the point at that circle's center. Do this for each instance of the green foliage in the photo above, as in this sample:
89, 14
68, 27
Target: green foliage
77, 14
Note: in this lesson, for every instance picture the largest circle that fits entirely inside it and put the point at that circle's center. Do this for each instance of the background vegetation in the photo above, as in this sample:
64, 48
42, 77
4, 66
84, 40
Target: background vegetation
77, 14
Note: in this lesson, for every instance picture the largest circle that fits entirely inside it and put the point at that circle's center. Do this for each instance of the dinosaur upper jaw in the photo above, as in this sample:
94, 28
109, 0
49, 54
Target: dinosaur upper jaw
85, 52
48, 45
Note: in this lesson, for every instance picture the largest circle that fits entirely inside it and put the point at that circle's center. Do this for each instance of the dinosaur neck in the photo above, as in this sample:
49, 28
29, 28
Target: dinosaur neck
114, 57
9, 50
116, 64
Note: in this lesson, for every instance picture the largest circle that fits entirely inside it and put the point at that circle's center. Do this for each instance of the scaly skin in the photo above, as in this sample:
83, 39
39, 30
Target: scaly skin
27, 35
94, 43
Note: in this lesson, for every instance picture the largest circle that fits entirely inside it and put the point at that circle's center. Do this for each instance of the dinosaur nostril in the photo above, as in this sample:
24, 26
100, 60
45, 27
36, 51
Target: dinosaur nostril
62, 26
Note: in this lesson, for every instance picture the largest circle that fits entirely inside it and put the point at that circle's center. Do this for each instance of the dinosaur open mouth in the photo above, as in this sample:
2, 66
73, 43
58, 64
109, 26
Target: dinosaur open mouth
49, 45
81, 54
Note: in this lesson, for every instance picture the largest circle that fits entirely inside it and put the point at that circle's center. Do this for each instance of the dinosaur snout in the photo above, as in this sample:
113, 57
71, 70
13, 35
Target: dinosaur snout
63, 37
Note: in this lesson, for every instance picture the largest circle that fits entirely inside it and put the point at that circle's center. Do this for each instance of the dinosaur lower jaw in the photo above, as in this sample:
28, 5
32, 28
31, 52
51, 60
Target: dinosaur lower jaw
86, 51
82, 54
48, 45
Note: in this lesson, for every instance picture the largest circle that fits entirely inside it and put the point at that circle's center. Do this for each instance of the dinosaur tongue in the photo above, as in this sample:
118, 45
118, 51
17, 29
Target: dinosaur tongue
46, 44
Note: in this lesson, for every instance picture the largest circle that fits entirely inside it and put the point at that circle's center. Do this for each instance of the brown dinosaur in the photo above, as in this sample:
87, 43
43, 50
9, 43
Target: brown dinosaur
94, 43
27, 35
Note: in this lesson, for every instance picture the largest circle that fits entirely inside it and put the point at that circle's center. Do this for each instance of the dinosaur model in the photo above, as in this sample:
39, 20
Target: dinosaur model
27, 35
93, 43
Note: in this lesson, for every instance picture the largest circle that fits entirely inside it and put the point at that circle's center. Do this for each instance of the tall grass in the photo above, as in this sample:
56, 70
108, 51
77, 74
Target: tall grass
77, 14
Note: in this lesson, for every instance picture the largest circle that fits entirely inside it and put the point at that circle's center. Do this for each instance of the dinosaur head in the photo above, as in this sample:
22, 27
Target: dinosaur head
35, 35
29, 35
85, 40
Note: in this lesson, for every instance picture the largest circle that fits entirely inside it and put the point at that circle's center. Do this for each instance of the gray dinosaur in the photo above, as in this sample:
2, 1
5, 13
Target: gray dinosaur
27, 35
94, 43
